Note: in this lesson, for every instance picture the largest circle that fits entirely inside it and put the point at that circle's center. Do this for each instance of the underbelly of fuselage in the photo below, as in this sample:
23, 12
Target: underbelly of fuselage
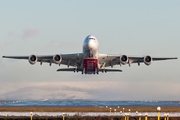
90, 65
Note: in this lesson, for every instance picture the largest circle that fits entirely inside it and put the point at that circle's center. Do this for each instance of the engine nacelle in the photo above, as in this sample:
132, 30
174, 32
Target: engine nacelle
147, 60
32, 59
123, 59
57, 59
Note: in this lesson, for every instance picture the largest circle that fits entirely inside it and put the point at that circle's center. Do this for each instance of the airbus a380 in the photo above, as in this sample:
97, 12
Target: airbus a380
90, 61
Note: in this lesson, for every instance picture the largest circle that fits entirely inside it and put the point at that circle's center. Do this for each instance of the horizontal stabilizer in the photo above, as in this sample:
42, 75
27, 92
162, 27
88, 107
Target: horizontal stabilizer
66, 69
111, 70
105, 70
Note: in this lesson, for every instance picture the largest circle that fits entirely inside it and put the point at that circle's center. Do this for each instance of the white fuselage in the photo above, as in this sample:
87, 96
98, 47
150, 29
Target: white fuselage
90, 51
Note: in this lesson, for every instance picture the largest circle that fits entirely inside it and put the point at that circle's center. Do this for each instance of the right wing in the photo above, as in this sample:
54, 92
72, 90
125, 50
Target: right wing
74, 60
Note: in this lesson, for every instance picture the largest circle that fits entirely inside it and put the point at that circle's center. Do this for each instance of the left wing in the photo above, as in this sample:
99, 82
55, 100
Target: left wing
106, 60
66, 59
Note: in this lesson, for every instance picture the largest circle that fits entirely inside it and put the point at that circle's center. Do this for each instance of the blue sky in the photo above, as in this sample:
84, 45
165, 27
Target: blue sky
122, 27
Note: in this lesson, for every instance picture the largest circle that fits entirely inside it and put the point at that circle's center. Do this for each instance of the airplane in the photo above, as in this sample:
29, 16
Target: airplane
90, 61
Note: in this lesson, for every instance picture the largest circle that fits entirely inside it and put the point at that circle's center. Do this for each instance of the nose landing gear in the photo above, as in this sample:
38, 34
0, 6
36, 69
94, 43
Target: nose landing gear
96, 71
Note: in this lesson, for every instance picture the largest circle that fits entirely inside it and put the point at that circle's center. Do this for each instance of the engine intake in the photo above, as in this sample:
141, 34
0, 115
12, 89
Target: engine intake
147, 60
123, 59
57, 59
32, 59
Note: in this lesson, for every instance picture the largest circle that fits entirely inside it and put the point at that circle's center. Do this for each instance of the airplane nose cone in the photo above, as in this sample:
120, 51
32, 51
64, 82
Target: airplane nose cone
91, 44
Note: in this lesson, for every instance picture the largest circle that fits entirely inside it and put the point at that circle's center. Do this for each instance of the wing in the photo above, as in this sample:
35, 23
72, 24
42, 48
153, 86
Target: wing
67, 59
106, 60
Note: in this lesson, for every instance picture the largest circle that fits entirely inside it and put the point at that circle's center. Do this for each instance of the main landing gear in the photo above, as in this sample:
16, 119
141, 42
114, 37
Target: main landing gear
96, 71
83, 71
75, 70
103, 70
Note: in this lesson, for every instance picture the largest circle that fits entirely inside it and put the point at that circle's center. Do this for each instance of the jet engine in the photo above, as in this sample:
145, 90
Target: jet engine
123, 59
32, 59
147, 60
57, 59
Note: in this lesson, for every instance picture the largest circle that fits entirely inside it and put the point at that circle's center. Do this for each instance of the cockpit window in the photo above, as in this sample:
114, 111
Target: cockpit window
91, 38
